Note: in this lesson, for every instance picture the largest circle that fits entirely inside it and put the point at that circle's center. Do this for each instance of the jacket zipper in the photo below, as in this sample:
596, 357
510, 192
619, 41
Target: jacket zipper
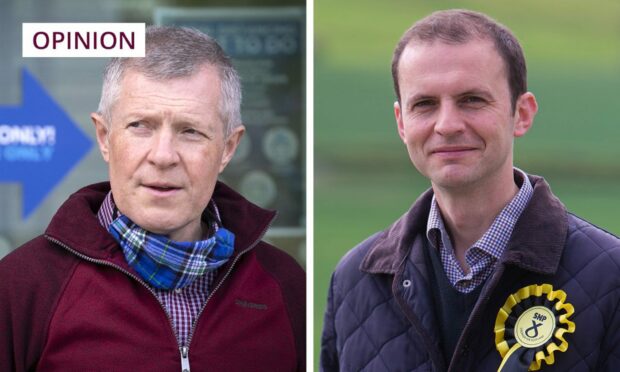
109, 264
184, 350
184, 358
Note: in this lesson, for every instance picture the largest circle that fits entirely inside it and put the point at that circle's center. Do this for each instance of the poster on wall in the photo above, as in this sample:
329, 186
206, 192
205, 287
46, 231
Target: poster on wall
267, 46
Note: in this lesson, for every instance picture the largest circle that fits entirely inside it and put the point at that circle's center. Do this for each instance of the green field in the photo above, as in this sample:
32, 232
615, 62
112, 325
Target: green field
363, 178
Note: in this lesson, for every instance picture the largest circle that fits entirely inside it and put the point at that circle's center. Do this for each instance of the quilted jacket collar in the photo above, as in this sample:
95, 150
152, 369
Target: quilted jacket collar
536, 243
247, 221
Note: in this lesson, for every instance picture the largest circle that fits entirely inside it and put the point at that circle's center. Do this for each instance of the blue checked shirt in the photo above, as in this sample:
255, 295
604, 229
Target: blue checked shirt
483, 254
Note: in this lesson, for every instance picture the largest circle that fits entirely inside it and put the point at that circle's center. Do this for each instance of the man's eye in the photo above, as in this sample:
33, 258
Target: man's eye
473, 100
139, 128
191, 132
423, 104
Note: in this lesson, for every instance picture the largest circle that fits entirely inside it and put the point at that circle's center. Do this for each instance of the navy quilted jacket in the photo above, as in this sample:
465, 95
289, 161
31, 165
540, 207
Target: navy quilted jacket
380, 314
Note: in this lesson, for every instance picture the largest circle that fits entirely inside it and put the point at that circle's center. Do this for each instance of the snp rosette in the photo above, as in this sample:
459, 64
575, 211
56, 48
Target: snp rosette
531, 327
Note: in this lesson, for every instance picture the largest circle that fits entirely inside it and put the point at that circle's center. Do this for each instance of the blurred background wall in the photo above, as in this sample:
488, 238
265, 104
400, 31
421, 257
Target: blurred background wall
363, 177
75, 84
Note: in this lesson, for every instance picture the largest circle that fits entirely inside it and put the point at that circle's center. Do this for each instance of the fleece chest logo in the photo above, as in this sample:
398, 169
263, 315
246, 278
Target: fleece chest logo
250, 305
531, 327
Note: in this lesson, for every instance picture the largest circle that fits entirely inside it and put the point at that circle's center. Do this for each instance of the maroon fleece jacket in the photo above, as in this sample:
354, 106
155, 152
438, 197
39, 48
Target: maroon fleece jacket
69, 301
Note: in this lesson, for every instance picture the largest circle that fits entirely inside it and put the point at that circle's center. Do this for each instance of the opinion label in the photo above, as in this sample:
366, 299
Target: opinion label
83, 40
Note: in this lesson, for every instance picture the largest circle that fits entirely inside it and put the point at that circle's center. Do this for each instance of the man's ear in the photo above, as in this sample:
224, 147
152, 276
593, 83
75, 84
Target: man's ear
103, 131
231, 145
399, 120
526, 109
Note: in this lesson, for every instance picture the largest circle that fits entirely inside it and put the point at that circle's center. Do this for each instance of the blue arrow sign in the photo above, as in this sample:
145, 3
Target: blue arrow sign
39, 144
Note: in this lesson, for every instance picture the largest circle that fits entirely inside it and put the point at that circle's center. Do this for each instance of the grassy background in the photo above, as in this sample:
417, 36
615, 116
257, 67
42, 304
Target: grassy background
363, 177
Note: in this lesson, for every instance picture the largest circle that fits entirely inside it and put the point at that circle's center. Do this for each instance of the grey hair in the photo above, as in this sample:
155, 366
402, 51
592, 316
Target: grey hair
175, 52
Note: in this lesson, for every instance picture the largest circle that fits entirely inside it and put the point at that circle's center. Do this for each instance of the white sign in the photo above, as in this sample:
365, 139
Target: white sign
83, 40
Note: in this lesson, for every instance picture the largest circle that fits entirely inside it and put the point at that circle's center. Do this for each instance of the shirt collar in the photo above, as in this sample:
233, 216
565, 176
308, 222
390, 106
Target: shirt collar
495, 239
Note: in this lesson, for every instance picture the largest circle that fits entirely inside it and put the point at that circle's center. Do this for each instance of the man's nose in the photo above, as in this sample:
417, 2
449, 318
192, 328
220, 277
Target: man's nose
163, 152
449, 121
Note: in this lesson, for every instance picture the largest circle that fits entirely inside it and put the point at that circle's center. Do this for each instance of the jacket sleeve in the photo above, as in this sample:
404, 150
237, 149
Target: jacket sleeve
292, 280
610, 347
31, 280
7, 354
329, 353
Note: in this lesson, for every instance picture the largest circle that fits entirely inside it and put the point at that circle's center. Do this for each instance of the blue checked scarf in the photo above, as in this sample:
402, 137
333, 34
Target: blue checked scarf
168, 264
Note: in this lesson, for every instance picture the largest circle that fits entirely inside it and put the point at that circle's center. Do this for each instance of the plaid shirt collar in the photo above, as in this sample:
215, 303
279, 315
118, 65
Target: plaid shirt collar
483, 254
183, 305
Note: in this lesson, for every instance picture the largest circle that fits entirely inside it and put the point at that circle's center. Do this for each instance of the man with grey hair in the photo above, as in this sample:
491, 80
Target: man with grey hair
487, 271
163, 268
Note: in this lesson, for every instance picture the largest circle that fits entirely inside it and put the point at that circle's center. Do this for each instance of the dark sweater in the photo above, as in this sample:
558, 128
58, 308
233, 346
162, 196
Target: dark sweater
453, 308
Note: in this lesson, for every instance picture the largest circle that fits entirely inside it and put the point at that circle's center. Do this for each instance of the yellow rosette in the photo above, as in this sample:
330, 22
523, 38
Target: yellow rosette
531, 326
